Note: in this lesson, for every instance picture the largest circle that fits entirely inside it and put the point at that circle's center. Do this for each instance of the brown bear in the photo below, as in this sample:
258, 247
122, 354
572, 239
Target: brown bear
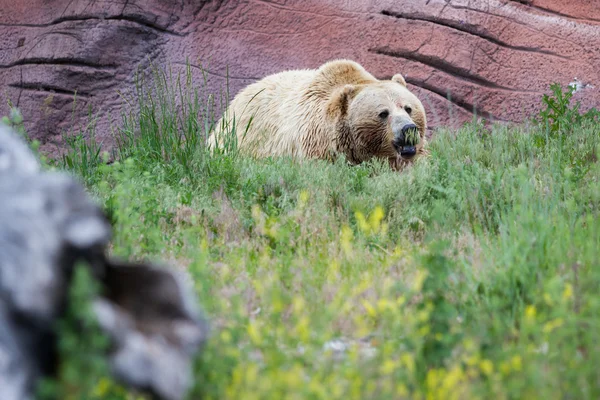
319, 113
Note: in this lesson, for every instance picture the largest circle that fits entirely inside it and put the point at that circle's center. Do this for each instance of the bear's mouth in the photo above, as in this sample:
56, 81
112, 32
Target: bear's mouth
406, 139
408, 151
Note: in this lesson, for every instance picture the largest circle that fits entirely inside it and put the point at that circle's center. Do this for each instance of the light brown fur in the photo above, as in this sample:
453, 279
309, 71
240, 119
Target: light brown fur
322, 112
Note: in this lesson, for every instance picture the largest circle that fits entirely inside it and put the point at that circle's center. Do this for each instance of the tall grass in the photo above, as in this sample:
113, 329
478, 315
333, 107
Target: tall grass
472, 274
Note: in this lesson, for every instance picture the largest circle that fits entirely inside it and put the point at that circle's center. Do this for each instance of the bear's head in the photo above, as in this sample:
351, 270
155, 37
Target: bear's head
378, 119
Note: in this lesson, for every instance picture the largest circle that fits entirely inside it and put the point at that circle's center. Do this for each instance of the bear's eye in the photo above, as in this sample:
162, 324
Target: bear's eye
384, 114
408, 109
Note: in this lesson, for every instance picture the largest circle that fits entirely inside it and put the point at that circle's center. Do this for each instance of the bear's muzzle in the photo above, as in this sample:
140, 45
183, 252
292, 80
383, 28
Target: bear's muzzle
406, 137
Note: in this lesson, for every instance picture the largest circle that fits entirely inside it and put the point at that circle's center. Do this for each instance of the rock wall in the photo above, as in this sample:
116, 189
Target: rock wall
492, 57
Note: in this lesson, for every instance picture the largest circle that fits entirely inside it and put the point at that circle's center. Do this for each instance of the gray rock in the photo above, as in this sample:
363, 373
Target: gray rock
47, 224
15, 155
150, 314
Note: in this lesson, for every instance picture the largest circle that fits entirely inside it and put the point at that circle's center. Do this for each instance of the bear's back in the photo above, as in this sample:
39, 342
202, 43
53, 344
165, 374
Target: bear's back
268, 114
283, 113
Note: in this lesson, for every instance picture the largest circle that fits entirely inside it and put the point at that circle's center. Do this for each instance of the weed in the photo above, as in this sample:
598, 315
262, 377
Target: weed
83, 372
472, 274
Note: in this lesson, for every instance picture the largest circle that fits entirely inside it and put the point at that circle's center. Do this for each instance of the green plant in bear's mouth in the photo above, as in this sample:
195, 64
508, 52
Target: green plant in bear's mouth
412, 137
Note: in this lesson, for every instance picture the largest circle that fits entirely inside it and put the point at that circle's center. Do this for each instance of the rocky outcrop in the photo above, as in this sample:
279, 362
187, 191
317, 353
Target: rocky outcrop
48, 223
492, 57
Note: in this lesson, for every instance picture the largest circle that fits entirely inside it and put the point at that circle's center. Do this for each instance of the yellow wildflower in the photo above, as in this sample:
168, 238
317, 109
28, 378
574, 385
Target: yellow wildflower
505, 368
419, 280
369, 308
384, 304
401, 390
486, 367
362, 221
303, 198
333, 270
453, 379
388, 367
400, 301
432, 379
293, 378
552, 325
408, 361
375, 219
298, 304
251, 373
102, 387
254, 333
226, 336
346, 240
530, 313
302, 328
568, 292
516, 363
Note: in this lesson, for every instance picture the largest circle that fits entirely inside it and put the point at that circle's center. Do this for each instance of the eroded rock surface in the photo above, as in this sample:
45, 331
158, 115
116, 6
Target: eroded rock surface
494, 57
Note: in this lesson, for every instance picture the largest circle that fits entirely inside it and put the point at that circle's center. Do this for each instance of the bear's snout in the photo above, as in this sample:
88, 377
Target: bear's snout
405, 139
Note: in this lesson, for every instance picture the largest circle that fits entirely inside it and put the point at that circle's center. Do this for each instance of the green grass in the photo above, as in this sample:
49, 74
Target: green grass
472, 274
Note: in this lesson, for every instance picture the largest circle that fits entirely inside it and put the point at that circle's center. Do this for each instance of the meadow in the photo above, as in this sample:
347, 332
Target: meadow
473, 274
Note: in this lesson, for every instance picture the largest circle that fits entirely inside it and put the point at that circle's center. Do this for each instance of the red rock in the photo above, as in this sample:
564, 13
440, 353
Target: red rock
494, 57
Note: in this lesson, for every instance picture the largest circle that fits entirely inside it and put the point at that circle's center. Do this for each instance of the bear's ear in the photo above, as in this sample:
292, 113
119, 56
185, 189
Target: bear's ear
339, 100
398, 78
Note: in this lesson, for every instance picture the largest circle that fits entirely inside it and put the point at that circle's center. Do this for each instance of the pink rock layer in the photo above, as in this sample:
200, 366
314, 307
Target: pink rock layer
495, 58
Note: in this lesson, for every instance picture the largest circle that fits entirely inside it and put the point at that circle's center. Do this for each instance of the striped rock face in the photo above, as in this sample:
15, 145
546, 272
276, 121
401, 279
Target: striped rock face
492, 57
